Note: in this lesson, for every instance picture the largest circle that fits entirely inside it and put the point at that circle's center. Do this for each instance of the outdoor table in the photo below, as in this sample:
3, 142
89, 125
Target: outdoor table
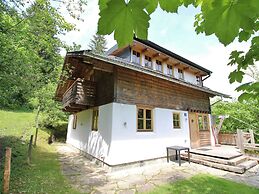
177, 152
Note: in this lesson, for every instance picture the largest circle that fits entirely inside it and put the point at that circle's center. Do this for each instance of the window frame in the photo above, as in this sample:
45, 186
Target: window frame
145, 119
179, 115
180, 74
198, 80
205, 125
172, 69
159, 63
136, 57
74, 124
147, 61
95, 123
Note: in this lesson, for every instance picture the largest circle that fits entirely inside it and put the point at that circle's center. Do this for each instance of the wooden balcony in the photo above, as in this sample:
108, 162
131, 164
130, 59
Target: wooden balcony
79, 96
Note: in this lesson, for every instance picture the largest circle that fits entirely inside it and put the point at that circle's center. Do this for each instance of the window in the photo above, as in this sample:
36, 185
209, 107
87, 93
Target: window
136, 57
144, 119
170, 70
74, 121
180, 74
203, 122
95, 119
176, 121
158, 65
148, 62
198, 80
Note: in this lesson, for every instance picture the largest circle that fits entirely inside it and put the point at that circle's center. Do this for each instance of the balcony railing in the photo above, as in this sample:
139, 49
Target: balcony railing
80, 96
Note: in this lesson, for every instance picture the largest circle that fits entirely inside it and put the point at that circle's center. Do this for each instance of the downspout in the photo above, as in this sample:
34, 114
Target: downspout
205, 79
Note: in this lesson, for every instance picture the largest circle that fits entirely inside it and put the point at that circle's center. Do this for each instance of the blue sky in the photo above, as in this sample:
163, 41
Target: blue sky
176, 33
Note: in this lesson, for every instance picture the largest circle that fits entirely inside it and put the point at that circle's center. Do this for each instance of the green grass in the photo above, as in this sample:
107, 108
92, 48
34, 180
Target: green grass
205, 184
44, 173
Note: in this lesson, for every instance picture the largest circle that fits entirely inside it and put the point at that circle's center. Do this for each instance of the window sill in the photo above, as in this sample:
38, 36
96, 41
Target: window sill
145, 131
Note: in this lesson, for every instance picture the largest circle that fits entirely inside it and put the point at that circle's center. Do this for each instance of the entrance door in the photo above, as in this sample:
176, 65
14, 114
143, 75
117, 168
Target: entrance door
194, 131
199, 129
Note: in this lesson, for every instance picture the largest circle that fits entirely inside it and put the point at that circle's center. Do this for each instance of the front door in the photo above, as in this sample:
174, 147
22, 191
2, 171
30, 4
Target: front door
194, 131
199, 129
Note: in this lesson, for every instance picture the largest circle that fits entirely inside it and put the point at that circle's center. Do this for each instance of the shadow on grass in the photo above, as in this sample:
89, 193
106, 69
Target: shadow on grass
42, 176
205, 184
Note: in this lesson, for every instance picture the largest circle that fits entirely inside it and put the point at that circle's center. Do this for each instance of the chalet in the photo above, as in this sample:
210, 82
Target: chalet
131, 103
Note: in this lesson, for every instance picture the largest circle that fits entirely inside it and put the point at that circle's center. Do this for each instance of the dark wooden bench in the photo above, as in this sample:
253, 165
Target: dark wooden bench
177, 152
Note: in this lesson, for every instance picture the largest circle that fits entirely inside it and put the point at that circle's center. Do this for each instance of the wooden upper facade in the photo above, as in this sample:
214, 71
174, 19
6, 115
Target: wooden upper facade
138, 74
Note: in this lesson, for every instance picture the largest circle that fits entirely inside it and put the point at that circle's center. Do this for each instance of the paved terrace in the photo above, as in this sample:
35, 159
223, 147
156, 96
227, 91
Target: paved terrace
87, 177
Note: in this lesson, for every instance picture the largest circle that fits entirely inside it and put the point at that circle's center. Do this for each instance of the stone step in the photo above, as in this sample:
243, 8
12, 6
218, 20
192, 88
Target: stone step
232, 162
237, 169
248, 164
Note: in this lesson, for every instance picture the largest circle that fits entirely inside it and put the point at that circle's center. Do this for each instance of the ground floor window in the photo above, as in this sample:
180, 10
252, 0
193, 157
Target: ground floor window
144, 119
176, 120
203, 122
95, 119
74, 121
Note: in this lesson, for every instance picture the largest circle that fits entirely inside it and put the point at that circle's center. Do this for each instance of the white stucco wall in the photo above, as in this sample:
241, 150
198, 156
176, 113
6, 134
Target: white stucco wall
95, 143
117, 140
128, 145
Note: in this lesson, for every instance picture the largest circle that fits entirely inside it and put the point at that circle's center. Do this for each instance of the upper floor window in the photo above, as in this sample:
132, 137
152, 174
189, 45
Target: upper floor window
198, 80
136, 57
170, 70
158, 65
148, 62
176, 121
144, 119
95, 119
180, 74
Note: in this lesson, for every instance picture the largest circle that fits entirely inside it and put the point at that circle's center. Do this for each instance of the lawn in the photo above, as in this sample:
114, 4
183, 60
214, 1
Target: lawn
44, 174
205, 184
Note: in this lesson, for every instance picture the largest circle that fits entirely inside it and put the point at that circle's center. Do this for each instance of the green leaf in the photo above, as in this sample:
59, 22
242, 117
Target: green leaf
243, 97
102, 4
244, 35
124, 20
224, 18
186, 3
243, 87
170, 6
236, 76
151, 6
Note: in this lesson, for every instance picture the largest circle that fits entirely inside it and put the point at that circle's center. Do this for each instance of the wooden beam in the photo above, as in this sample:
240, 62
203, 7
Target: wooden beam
166, 59
156, 55
185, 68
144, 50
176, 64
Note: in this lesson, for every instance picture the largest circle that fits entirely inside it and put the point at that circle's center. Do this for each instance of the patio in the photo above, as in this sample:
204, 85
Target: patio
222, 152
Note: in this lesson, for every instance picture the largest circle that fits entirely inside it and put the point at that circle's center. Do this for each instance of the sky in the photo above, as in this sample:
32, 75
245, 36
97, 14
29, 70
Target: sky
174, 32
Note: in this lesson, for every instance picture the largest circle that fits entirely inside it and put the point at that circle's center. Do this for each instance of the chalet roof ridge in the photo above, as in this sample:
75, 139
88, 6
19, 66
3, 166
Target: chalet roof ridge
172, 54
123, 63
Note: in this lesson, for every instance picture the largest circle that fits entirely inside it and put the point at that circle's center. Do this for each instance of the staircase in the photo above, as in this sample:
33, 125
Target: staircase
238, 164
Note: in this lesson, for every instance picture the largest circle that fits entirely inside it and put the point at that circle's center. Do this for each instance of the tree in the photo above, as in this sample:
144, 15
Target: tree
98, 44
226, 19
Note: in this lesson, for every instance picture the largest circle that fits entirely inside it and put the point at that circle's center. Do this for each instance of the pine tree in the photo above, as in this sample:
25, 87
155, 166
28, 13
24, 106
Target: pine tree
98, 44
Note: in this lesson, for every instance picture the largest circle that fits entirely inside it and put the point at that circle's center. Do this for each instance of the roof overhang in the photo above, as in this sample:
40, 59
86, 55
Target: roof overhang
87, 55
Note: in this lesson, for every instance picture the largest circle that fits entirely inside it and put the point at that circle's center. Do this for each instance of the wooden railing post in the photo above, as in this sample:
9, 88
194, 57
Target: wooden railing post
252, 137
7, 170
30, 150
240, 140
